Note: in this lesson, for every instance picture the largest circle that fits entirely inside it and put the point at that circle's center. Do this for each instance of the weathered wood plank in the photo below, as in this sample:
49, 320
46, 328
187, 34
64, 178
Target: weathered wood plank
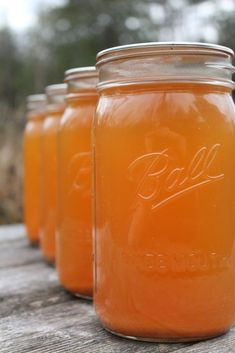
38, 316
21, 280
28, 287
11, 233
222, 344
68, 327
15, 305
18, 252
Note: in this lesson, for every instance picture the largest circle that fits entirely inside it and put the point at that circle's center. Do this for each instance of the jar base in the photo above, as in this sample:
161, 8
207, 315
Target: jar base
34, 243
49, 262
166, 339
81, 296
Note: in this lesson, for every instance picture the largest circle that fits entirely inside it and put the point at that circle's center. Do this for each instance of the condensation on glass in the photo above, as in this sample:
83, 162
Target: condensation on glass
55, 107
74, 232
164, 191
36, 107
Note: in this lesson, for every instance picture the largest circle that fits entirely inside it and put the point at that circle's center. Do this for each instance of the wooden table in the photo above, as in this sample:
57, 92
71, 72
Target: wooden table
37, 315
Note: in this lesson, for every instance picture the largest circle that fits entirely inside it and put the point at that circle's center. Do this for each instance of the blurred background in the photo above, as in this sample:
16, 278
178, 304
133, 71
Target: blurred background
40, 39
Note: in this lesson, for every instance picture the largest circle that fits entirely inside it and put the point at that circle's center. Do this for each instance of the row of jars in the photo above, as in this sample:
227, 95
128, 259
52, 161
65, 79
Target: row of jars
139, 151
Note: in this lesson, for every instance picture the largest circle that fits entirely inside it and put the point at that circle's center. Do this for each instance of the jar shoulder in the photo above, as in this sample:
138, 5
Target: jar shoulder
165, 107
33, 128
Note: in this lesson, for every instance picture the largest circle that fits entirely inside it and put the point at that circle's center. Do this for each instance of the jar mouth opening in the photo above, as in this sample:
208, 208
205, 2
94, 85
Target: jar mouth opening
80, 72
167, 48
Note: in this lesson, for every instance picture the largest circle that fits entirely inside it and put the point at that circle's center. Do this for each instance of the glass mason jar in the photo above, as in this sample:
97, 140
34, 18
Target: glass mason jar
165, 186
55, 108
36, 106
74, 237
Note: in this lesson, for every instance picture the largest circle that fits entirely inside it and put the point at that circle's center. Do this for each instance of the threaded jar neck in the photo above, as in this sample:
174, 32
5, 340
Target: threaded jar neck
165, 62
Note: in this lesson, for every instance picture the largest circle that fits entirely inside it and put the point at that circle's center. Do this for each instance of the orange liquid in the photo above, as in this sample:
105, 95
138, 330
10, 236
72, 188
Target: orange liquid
32, 165
165, 186
49, 187
74, 241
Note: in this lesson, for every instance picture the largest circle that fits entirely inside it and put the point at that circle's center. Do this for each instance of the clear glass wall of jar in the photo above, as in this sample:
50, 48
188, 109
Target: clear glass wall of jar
36, 107
74, 232
55, 108
165, 191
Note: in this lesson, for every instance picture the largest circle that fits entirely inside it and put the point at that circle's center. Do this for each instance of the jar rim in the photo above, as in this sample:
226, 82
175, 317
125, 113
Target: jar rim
56, 89
80, 72
36, 98
167, 47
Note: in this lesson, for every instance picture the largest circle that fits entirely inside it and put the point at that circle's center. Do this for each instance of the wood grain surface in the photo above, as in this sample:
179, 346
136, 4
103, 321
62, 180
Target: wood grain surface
37, 315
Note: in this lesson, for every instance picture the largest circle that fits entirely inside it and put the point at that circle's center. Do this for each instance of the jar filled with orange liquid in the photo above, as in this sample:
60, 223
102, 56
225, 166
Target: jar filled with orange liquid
165, 191
36, 106
74, 239
55, 108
